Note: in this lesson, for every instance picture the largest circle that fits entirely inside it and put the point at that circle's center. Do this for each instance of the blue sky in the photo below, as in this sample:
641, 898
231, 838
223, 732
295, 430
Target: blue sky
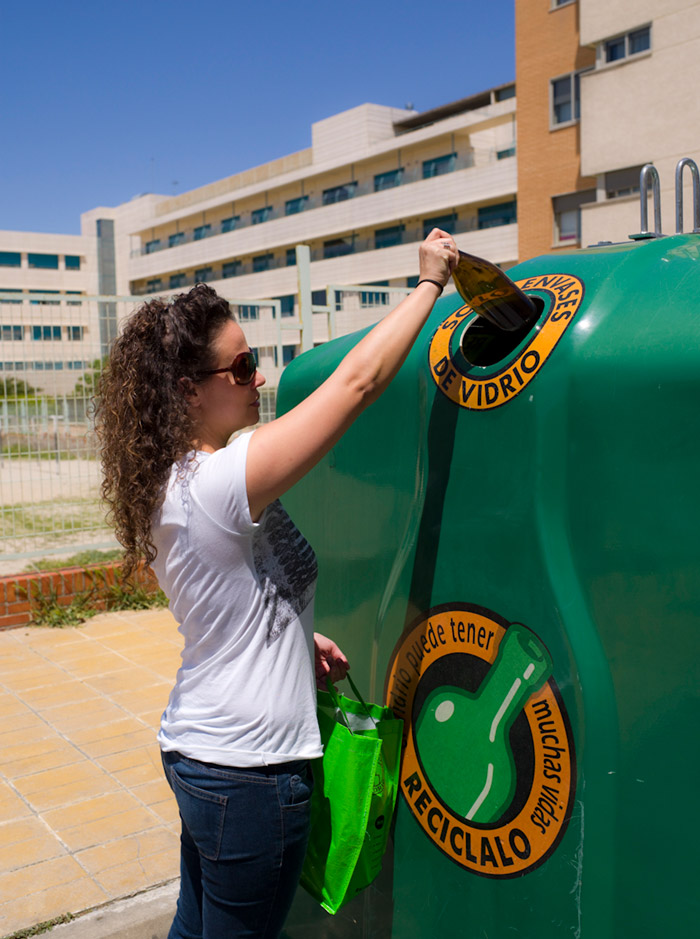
102, 101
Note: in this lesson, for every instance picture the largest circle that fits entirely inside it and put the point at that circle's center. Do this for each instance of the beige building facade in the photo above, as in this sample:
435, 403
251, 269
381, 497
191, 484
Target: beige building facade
47, 329
362, 197
603, 88
638, 105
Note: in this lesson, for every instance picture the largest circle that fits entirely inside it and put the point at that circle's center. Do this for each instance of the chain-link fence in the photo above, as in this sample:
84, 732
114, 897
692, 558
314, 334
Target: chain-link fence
51, 354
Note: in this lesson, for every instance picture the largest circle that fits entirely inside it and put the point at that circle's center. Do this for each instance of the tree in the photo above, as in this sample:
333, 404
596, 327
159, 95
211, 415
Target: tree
16, 388
86, 385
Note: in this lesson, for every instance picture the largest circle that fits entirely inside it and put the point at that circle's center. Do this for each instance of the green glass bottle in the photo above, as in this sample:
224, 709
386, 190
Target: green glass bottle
492, 294
463, 738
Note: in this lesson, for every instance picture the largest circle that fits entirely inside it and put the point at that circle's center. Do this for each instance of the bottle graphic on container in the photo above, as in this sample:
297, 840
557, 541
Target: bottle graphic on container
462, 738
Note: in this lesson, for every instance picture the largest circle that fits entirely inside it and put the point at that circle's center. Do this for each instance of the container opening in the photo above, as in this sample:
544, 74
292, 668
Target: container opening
485, 344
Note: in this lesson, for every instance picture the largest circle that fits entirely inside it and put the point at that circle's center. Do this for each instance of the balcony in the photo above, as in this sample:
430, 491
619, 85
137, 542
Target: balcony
340, 248
440, 166
489, 179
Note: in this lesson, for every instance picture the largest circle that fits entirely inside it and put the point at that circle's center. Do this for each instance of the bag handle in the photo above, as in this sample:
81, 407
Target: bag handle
336, 700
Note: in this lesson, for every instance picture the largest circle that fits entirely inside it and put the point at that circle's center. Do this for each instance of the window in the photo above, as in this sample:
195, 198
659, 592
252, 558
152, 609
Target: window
286, 304
387, 237
621, 47
318, 298
567, 216
567, 226
639, 40
339, 193
337, 247
490, 216
502, 94
388, 180
12, 332
177, 280
503, 154
10, 259
44, 302
565, 99
439, 165
375, 297
261, 215
74, 293
10, 299
44, 261
293, 206
73, 262
561, 3
202, 231
153, 286
203, 274
176, 239
248, 311
445, 222
412, 281
262, 262
46, 332
230, 223
622, 182
152, 246
615, 49
75, 333
291, 257
288, 353
230, 269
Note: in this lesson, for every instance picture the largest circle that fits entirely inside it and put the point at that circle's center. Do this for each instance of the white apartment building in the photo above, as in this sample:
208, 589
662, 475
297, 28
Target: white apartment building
47, 330
373, 182
638, 104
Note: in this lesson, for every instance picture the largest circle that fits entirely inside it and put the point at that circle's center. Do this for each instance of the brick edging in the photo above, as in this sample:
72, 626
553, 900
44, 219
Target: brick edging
16, 589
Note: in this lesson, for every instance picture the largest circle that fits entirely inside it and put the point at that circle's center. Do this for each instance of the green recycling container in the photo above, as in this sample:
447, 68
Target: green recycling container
508, 555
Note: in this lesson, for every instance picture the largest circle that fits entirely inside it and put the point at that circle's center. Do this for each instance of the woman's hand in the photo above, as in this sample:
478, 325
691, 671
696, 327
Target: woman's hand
438, 256
329, 661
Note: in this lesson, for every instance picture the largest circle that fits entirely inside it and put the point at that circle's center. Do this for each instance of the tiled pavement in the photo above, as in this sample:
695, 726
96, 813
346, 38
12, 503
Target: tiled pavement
85, 813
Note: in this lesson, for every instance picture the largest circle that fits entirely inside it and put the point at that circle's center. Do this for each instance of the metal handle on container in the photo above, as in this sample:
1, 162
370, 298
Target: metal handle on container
693, 167
649, 175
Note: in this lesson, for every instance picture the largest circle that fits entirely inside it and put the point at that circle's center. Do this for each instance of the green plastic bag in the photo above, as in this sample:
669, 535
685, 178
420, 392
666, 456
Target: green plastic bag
355, 786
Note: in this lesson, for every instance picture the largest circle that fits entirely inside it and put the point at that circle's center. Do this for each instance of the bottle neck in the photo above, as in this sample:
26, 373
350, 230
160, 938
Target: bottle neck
521, 666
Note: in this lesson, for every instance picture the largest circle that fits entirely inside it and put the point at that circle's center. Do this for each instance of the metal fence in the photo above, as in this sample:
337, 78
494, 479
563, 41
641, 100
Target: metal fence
51, 352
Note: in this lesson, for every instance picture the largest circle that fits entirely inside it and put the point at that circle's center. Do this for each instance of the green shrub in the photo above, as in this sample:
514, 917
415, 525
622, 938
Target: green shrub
47, 610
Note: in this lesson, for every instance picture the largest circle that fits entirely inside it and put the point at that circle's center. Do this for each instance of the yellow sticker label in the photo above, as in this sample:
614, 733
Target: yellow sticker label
465, 387
488, 767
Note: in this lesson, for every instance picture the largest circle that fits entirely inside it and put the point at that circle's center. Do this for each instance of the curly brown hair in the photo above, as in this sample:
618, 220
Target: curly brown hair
141, 408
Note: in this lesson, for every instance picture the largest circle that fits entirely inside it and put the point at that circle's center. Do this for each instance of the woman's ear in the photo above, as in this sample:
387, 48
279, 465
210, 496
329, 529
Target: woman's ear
190, 390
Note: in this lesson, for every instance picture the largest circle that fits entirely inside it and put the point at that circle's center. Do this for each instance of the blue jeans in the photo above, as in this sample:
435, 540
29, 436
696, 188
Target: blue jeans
243, 841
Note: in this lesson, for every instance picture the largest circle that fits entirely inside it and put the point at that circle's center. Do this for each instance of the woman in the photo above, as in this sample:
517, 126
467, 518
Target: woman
240, 725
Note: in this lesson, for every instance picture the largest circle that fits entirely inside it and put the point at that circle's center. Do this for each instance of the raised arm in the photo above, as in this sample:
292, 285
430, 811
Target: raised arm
283, 451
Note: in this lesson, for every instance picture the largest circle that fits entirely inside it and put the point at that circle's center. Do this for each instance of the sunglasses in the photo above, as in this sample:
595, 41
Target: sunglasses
242, 368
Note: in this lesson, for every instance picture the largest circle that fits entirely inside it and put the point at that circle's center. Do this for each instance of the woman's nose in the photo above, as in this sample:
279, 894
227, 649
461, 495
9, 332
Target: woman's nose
259, 378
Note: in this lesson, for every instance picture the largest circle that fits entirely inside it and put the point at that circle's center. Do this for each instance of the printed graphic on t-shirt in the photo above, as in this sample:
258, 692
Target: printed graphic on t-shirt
286, 567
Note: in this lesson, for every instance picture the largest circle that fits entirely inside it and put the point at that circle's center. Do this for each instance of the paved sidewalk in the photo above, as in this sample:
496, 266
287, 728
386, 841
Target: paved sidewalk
86, 816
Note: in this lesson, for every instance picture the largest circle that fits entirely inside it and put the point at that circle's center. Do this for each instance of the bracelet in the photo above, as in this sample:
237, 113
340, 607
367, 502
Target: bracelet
427, 280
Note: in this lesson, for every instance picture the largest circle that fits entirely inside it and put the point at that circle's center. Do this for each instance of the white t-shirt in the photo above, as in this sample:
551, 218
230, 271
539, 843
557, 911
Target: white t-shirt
242, 593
